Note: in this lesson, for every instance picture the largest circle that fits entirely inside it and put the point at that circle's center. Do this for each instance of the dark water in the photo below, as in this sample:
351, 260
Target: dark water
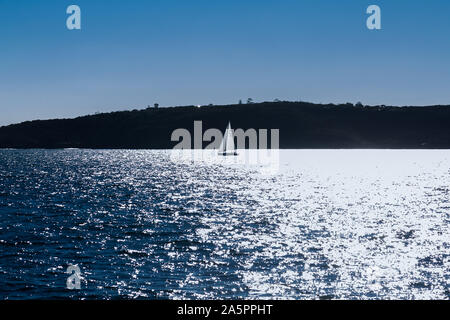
330, 224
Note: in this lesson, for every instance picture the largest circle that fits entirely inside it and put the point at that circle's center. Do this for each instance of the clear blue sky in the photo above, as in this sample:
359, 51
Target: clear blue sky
133, 53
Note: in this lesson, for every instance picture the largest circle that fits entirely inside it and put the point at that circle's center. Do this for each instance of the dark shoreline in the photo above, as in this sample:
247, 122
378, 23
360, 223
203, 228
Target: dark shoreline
302, 126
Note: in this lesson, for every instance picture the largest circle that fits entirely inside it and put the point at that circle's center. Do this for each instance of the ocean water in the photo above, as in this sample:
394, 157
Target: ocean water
328, 224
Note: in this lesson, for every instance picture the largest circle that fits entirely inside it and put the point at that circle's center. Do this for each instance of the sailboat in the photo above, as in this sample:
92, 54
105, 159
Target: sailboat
227, 147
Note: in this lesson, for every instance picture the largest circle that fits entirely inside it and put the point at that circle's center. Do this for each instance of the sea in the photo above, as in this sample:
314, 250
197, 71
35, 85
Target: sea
143, 224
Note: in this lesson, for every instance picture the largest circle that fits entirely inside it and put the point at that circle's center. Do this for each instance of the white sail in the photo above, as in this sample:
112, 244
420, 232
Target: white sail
227, 145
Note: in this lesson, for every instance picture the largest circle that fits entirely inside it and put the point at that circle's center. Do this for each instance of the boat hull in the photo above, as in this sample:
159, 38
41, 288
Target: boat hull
228, 153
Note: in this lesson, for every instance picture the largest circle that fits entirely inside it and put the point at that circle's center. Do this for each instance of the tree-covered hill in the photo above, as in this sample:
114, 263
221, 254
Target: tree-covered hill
301, 125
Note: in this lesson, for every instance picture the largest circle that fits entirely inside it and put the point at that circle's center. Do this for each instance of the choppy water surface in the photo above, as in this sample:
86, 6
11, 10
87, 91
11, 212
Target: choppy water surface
330, 224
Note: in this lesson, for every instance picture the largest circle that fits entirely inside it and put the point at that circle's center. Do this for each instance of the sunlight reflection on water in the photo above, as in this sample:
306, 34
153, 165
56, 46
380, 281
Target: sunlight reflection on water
328, 224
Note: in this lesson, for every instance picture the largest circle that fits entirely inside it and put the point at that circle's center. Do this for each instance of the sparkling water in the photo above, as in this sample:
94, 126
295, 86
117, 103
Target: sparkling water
330, 224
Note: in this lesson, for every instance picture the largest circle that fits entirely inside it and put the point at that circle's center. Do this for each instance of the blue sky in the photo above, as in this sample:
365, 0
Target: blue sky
133, 53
